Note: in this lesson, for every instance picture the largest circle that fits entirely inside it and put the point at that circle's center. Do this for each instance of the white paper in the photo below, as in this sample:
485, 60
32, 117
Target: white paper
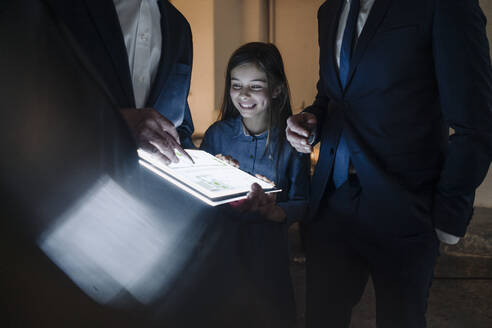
210, 176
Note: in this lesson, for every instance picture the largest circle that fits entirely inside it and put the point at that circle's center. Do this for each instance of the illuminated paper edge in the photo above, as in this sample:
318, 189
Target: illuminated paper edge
175, 174
192, 191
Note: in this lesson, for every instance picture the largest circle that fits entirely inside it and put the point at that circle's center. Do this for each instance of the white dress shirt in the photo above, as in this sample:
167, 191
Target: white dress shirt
365, 9
140, 22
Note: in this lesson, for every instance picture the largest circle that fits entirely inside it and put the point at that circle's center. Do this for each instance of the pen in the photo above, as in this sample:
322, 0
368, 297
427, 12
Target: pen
311, 138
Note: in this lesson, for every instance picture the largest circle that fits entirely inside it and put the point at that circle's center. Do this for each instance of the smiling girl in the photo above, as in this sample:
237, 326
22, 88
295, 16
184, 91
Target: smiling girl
251, 129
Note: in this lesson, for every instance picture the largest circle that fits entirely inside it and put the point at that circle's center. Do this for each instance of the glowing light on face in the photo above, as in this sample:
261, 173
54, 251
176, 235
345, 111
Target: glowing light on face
249, 91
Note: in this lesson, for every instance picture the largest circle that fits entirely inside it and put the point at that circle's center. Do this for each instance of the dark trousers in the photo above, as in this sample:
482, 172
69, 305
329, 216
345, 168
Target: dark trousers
341, 254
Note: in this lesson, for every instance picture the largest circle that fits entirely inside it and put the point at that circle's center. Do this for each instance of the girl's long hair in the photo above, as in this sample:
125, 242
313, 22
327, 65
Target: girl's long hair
267, 58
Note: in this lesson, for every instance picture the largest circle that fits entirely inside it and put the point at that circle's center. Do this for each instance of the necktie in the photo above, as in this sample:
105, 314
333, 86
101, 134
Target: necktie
348, 41
342, 156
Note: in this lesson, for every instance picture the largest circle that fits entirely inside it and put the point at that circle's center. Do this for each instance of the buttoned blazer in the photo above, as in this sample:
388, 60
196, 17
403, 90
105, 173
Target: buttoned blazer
95, 26
419, 67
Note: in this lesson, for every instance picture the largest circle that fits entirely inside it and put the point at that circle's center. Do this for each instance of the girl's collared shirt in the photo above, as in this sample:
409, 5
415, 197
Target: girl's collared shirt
292, 176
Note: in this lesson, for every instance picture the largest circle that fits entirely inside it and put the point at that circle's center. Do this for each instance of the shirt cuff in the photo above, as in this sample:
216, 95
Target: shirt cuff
447, 238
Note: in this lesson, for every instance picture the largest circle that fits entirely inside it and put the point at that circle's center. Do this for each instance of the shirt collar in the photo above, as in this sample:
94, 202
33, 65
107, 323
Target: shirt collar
241, 132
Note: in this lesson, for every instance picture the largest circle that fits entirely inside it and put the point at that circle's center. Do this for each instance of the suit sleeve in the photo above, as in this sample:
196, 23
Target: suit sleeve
318, 108
186, 129
462, 65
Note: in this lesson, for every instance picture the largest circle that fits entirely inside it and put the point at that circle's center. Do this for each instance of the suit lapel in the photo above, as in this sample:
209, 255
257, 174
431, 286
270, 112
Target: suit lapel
164, 61
107, 23
376, 16
332, 16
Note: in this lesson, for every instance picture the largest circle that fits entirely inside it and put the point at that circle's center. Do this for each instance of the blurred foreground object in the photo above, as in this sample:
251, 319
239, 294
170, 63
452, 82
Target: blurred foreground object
72, 189
90, 238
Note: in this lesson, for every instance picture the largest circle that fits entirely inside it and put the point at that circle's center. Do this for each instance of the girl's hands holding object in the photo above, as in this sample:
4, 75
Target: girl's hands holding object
264, 204
228, 159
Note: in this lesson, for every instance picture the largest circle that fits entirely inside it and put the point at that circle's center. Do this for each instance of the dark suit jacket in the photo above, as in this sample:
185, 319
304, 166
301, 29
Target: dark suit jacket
419, 67
95, 25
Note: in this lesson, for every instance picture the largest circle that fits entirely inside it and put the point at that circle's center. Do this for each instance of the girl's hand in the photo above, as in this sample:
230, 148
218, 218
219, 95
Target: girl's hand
228, 159
264, 178
264, 204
